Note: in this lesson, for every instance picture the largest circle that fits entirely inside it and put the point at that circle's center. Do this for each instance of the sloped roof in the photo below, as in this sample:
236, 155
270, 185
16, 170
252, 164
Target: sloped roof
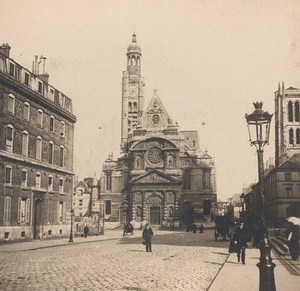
292, 88
292, 163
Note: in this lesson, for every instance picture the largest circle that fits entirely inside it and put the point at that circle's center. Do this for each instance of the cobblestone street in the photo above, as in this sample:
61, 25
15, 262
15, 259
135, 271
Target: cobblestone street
179, 261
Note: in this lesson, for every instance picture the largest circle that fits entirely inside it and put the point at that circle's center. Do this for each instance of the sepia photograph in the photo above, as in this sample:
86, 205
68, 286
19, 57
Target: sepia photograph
150, 145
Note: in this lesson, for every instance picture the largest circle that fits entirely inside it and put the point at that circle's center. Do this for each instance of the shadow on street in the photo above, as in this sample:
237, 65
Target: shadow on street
178, 238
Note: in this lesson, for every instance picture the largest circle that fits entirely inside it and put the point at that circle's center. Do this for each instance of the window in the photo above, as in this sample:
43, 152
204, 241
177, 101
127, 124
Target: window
52, 94
38, 180
24, 178
26, 79
288, 192
61, 185
61, 211
27, 214
12, 69
39, 143
63, 129
80, 202
291, 136
187, 180
40, 87
108, 181
25, 143
11, 104
26, 111
290, 111
51, 151
50, 211
50, 183
61, 156
40, 118
298, 136
206, 179
297, 112
7, 210
108, 207
9, 138
21, 210
8, 175
288, 177
52, 123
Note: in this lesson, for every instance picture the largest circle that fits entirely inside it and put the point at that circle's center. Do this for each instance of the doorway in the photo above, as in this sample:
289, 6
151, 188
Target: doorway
37, 218
155, 215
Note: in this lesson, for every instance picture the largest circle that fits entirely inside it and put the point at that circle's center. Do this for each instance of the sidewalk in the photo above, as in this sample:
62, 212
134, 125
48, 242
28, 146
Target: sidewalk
40, 244
235, 276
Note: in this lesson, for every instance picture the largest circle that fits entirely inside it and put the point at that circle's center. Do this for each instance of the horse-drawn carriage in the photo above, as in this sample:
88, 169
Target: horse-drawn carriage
222, 227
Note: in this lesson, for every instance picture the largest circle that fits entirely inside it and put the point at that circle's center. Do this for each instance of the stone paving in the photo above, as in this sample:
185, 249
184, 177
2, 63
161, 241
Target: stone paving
179, 261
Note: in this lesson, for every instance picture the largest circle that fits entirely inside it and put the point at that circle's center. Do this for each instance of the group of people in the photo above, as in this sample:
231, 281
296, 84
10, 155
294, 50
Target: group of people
193, 228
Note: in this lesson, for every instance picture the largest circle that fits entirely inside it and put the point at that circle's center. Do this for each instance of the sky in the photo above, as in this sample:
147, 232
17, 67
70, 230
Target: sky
209, 60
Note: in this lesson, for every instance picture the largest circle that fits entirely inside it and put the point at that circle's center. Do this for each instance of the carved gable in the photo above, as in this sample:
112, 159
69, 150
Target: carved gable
155, 177
156, 116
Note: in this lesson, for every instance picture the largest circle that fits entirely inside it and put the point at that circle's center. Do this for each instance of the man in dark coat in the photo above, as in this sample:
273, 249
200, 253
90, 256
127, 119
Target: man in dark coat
293, 242
147, 236
86, 230
240, 238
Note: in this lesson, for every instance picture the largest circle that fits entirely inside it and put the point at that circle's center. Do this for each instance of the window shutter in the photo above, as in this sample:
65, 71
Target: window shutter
19, 209
64, 212
27, 210
58, 210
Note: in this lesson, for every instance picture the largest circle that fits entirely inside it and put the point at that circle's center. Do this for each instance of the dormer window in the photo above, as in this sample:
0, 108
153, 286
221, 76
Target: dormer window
12, 69
40, 87
26, 79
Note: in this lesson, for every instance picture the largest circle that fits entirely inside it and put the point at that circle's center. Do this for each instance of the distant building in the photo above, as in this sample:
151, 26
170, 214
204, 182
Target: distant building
36, 152
287, 123
282, 180
162, 175
81, 200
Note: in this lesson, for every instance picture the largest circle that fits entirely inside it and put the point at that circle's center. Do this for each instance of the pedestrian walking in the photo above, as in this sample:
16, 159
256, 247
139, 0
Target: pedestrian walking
86, 230
240, 240
147, 236
201, 228
293, 241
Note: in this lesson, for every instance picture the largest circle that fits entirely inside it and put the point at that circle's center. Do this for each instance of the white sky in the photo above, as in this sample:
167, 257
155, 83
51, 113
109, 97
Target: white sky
209, 61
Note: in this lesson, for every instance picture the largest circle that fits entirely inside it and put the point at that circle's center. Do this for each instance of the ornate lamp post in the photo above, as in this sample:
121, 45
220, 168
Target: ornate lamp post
259, 128
242, 198
71, 230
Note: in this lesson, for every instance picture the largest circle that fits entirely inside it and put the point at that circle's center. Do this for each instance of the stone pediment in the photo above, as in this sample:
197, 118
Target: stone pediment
155, 177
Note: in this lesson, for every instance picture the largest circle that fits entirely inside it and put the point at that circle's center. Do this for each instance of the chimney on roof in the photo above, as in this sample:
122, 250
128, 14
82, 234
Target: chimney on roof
36, 68
5, 49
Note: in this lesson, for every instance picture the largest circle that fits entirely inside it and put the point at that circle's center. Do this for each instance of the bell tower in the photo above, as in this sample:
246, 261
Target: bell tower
132, 93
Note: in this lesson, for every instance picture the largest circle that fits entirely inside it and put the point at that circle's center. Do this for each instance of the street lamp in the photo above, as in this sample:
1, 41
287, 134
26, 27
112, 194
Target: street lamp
259, 128
71, 231
242, 198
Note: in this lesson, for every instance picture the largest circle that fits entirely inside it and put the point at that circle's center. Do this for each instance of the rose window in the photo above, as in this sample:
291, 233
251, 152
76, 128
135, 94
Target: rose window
154, 156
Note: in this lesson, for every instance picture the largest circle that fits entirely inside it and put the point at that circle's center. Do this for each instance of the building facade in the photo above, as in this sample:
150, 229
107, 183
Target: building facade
287, 123
36, 153
282, 180
162, 176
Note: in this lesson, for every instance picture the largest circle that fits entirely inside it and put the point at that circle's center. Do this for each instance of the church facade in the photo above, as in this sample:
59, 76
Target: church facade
161, 176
